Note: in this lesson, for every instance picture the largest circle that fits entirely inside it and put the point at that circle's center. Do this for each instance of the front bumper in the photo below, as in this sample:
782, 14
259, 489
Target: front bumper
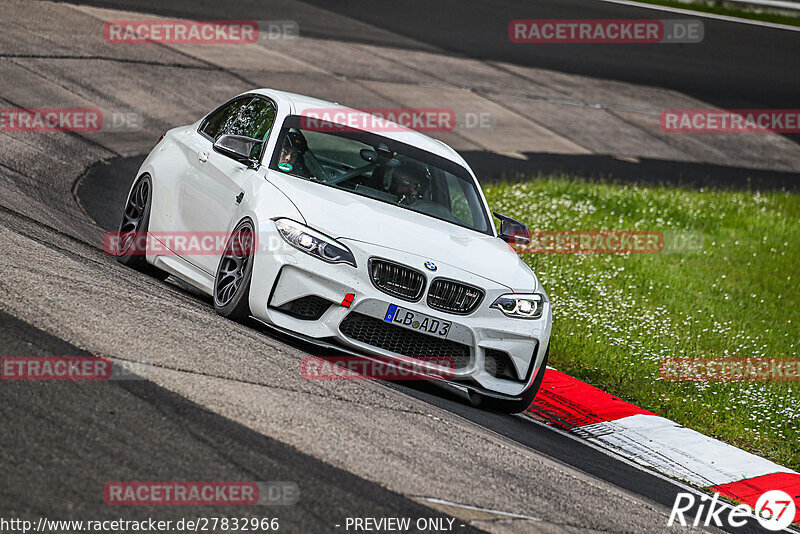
285, 274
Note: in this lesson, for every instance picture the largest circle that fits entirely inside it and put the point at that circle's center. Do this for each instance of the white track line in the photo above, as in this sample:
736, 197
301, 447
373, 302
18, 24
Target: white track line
476, 508
705, 15
678, 451
613, 454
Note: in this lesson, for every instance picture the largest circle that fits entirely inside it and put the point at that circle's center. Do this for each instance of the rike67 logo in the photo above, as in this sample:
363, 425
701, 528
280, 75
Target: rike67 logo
774, 510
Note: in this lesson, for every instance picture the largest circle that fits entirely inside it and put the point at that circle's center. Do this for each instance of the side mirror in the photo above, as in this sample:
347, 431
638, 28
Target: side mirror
238, 147
512, 231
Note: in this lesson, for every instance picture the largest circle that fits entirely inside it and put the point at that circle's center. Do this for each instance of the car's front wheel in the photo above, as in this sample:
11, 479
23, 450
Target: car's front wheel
517, 406
232, 281
132, 247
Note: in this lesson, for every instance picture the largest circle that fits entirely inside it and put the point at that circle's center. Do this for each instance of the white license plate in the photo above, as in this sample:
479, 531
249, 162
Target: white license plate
417, 321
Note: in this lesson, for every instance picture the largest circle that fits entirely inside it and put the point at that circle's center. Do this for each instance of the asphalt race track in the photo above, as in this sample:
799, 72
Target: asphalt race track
739, 66
79, 436
216, 400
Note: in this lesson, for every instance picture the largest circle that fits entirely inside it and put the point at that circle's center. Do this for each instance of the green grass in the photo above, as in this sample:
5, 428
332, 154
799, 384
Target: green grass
720, 8
735, 295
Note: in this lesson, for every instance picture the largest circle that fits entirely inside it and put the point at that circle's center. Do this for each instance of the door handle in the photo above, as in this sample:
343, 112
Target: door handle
202, 156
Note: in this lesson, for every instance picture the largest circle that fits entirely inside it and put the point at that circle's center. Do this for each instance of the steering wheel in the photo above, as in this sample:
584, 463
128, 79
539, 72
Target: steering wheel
408, 200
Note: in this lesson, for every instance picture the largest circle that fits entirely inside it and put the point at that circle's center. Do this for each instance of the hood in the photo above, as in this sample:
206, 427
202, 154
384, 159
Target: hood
344, 215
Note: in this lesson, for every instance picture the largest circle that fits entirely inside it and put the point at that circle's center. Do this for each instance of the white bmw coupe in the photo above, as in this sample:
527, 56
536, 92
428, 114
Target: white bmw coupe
378, 242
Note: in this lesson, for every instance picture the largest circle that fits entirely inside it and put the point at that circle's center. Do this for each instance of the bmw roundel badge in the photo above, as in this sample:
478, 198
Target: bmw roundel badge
430, 265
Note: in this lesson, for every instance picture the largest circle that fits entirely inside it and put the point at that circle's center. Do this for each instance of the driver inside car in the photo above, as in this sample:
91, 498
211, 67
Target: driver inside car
289, 155
291, 158
407, 182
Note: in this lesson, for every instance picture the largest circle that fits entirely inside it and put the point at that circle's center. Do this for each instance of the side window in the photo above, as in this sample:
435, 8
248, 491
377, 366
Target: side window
255, 119
218, 123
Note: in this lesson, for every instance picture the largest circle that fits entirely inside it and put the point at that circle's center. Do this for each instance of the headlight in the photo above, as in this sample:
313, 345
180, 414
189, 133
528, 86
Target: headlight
314, 243
524, 306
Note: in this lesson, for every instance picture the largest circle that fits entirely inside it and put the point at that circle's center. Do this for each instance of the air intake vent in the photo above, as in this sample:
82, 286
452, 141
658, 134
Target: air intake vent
396, 280
453, 297
403, 341
308, 308
498, 364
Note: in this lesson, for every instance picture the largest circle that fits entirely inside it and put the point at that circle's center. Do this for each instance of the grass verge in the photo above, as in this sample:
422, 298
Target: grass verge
617, 316
742, 12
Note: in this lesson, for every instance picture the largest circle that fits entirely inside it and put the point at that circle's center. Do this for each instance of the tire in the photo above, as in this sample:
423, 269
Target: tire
135, 221
232, 280
517, 406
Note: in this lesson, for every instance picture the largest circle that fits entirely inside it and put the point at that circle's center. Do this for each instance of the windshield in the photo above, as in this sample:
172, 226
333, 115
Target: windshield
389, 171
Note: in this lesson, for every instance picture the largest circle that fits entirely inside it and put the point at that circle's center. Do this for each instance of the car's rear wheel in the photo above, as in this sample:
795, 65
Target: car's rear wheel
517, 406
232, 281
132, 233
